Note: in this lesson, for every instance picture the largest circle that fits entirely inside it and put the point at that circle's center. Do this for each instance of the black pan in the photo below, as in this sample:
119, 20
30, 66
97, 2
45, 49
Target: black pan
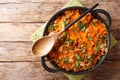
94, 13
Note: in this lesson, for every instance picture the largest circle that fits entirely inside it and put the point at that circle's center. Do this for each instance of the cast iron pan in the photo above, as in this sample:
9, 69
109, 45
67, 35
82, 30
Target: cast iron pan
95, 13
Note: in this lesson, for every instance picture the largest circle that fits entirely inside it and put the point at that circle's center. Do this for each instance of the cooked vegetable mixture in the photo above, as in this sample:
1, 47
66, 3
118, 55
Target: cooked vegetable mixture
82, 45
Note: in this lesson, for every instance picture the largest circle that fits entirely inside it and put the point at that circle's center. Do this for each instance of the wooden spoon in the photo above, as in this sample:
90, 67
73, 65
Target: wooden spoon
43, 45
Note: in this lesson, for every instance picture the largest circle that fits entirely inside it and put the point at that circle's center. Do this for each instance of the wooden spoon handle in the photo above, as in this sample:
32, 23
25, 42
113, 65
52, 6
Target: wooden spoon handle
82, 15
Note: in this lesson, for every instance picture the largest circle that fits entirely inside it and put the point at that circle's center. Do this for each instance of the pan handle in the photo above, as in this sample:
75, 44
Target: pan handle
46, 67
96, 14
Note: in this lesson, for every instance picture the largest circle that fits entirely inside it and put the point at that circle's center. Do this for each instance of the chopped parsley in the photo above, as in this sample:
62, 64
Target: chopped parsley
99, 47
96, 43
76, 65
102, 38
65, 34
60, 38
66, 60
78, 57
57, 61
81, 26
64, 23
90, 38
83, 50
89, 58
51, 26
69, 41
68, 48
94, 23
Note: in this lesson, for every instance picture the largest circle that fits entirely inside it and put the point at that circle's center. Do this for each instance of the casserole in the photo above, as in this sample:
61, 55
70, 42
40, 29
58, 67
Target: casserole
96, 15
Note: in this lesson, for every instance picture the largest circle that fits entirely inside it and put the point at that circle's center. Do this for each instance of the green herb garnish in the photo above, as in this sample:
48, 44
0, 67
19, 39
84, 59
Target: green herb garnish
66, 60
96, 43
64, 23
69, 41
90, 38
65, 34
68, 48
60, 38
99, 47
78, 57
94, 23
102, 38
81, 26
89, 58
83, 50
76, 65
52, 26
57, 61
